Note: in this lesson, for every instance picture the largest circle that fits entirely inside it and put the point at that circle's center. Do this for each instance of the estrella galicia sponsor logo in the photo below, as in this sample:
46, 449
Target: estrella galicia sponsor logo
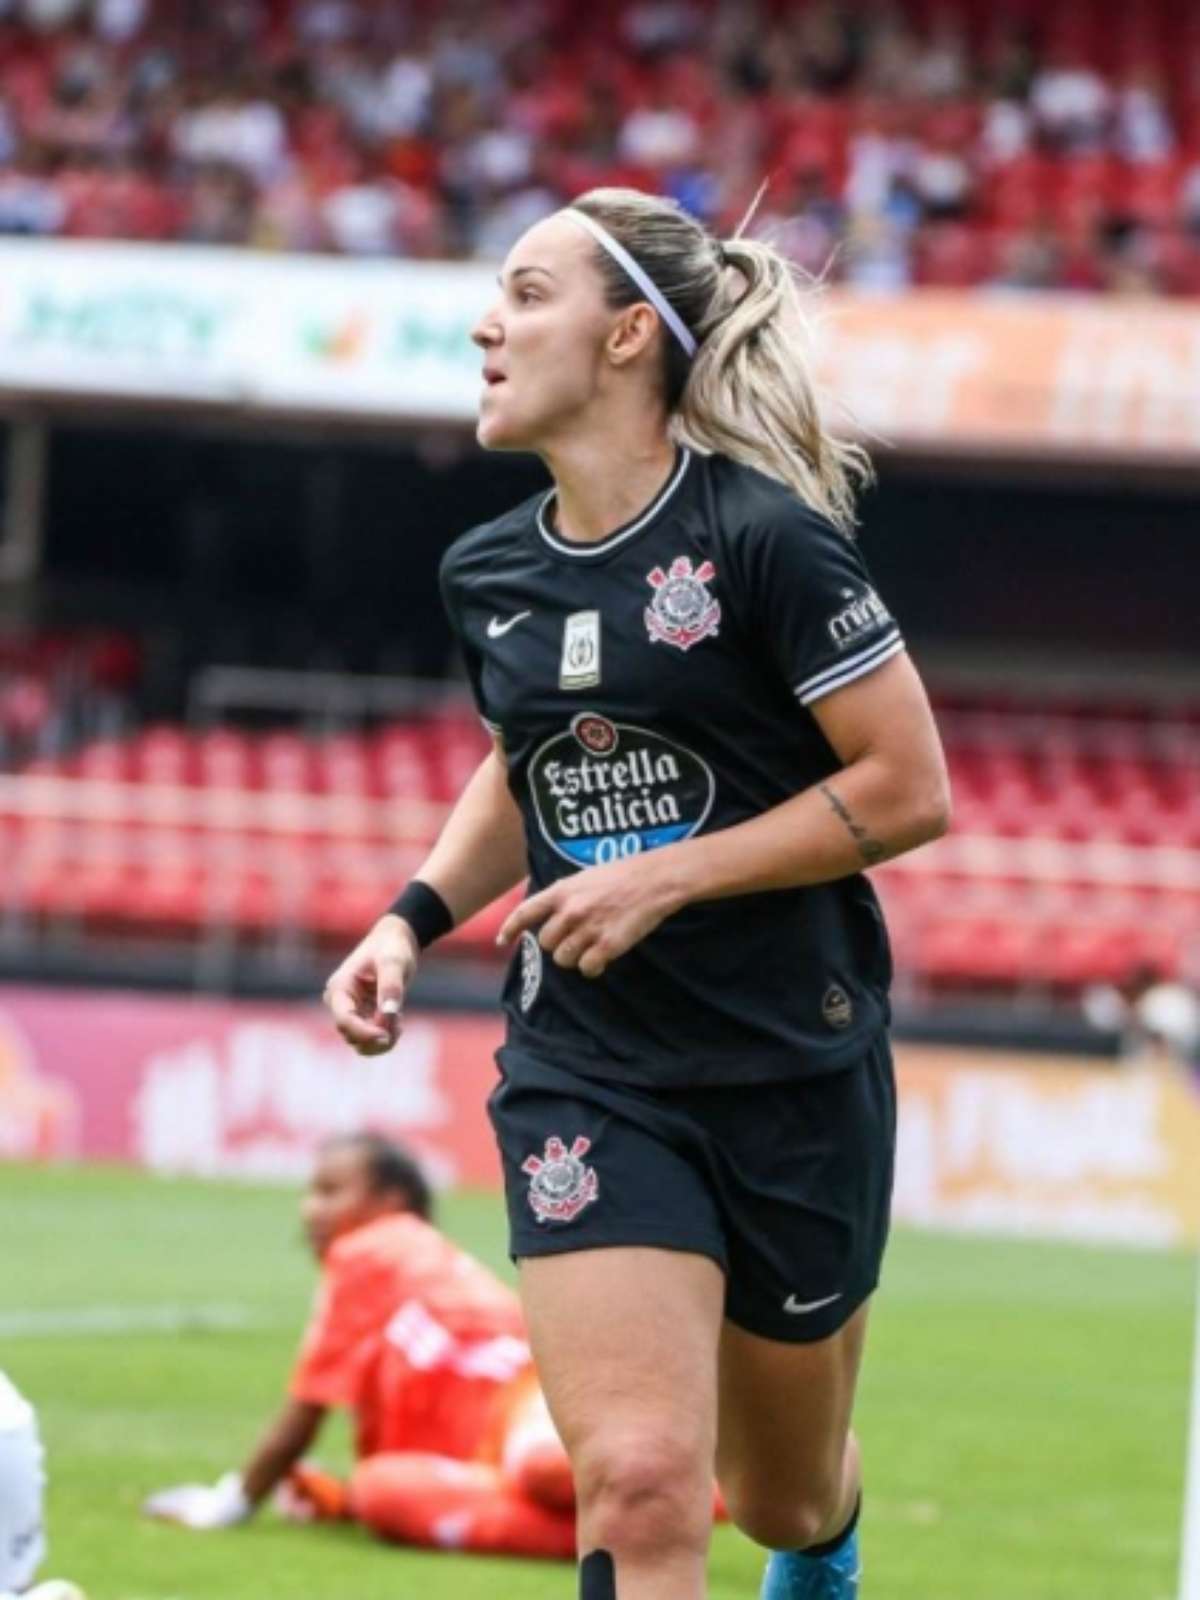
605, 790
861, 615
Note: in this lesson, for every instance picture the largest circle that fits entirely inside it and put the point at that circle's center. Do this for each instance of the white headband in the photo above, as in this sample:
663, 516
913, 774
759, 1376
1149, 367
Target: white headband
643, 280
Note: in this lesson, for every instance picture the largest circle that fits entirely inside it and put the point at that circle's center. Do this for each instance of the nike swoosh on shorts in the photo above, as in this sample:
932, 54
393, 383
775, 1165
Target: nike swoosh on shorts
497, 629
799, 1307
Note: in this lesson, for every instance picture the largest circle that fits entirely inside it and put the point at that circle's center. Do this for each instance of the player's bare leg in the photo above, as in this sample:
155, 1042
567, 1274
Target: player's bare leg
626, 1346
787, 1460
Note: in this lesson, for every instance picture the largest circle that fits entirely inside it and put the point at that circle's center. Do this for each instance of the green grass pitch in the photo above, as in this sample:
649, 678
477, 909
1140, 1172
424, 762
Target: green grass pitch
1022, 1410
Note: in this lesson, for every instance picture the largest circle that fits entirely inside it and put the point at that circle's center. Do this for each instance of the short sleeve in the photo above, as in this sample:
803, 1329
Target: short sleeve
812, 601
471, 657
353, 1303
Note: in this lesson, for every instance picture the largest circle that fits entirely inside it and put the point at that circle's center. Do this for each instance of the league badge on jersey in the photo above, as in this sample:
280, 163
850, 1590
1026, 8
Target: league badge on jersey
580, 666
560, 1185
682, 611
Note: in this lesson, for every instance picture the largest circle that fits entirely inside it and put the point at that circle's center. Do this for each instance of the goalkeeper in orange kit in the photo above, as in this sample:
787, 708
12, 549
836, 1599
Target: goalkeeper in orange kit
454, 1445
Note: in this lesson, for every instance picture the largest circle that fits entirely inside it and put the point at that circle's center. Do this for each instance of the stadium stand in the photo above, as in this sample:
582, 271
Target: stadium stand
921, 143
58, 686
1075, 856
1026, 146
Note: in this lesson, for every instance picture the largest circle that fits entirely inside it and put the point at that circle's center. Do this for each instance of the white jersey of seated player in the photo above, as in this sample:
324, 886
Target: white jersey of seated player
22, 1482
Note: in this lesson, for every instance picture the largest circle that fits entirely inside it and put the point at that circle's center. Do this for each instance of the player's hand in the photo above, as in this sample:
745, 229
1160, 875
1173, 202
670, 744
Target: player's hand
366, 994
202, 1506
587, 921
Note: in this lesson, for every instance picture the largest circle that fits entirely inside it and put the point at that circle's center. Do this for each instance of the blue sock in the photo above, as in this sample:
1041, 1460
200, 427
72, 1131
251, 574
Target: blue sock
828, 1572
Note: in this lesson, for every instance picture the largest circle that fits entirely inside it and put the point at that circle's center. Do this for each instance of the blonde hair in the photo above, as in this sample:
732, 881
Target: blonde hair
749, 391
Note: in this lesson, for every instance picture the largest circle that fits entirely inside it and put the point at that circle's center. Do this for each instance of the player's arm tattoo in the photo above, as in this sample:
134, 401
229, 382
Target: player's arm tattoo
871, 851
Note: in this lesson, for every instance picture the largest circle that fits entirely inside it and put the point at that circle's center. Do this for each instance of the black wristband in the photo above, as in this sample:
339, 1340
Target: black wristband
426, 913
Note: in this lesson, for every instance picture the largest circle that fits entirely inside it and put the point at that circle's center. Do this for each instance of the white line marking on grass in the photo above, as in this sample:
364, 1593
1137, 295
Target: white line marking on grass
75, 1322
924, 1513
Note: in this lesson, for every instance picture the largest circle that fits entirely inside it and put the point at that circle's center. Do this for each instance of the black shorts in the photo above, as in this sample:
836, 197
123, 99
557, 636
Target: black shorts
787, 1186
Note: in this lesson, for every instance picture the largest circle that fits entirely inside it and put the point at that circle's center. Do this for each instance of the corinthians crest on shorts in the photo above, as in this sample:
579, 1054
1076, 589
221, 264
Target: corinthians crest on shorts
560, 1185
682, 611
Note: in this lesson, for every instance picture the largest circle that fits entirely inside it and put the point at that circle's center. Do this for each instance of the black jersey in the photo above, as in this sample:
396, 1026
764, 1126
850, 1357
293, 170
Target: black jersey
651, 687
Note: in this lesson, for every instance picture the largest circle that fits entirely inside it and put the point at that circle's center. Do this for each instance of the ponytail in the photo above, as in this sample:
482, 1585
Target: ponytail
749, 391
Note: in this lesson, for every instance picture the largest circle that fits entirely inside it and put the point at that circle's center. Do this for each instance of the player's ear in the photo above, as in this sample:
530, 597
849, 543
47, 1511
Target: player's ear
631, 333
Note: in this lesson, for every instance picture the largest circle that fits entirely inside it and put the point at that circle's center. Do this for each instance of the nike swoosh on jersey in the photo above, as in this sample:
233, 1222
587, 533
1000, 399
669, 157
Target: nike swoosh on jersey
496, 629
799, 1307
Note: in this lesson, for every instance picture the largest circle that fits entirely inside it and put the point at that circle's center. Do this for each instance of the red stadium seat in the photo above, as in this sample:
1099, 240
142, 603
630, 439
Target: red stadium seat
168, 894
1149, 192
162, 755
1000, 952
403, 763
223, 760
954, 255
1018, 193
106, 760
286, 762
343, 765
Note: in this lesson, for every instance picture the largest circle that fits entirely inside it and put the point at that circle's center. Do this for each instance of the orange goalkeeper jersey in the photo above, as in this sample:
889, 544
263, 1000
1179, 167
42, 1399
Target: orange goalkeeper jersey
418, 1338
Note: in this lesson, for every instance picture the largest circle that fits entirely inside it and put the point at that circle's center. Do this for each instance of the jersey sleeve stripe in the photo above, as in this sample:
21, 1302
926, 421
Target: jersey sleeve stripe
838, 667
846, 665
847, 671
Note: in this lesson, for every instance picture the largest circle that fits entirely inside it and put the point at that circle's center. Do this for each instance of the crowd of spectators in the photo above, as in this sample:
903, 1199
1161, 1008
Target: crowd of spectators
1042, 145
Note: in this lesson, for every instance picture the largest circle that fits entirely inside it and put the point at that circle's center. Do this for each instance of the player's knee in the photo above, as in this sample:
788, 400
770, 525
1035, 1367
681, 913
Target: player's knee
782, 1521
644, 1491
372, 1494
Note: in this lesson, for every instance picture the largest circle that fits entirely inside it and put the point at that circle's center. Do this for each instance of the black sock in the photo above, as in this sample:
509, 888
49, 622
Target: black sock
597, 1577
831, 1546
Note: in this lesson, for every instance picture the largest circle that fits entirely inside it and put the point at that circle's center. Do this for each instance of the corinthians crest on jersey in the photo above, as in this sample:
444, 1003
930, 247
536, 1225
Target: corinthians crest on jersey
682, 611
560, 1185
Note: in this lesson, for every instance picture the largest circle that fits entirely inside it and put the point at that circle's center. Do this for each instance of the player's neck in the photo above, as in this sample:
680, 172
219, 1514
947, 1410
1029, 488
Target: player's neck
602, 482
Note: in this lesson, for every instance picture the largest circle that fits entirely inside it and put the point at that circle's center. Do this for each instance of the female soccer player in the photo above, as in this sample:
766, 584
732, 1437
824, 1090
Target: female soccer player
427, 1349
705, 728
